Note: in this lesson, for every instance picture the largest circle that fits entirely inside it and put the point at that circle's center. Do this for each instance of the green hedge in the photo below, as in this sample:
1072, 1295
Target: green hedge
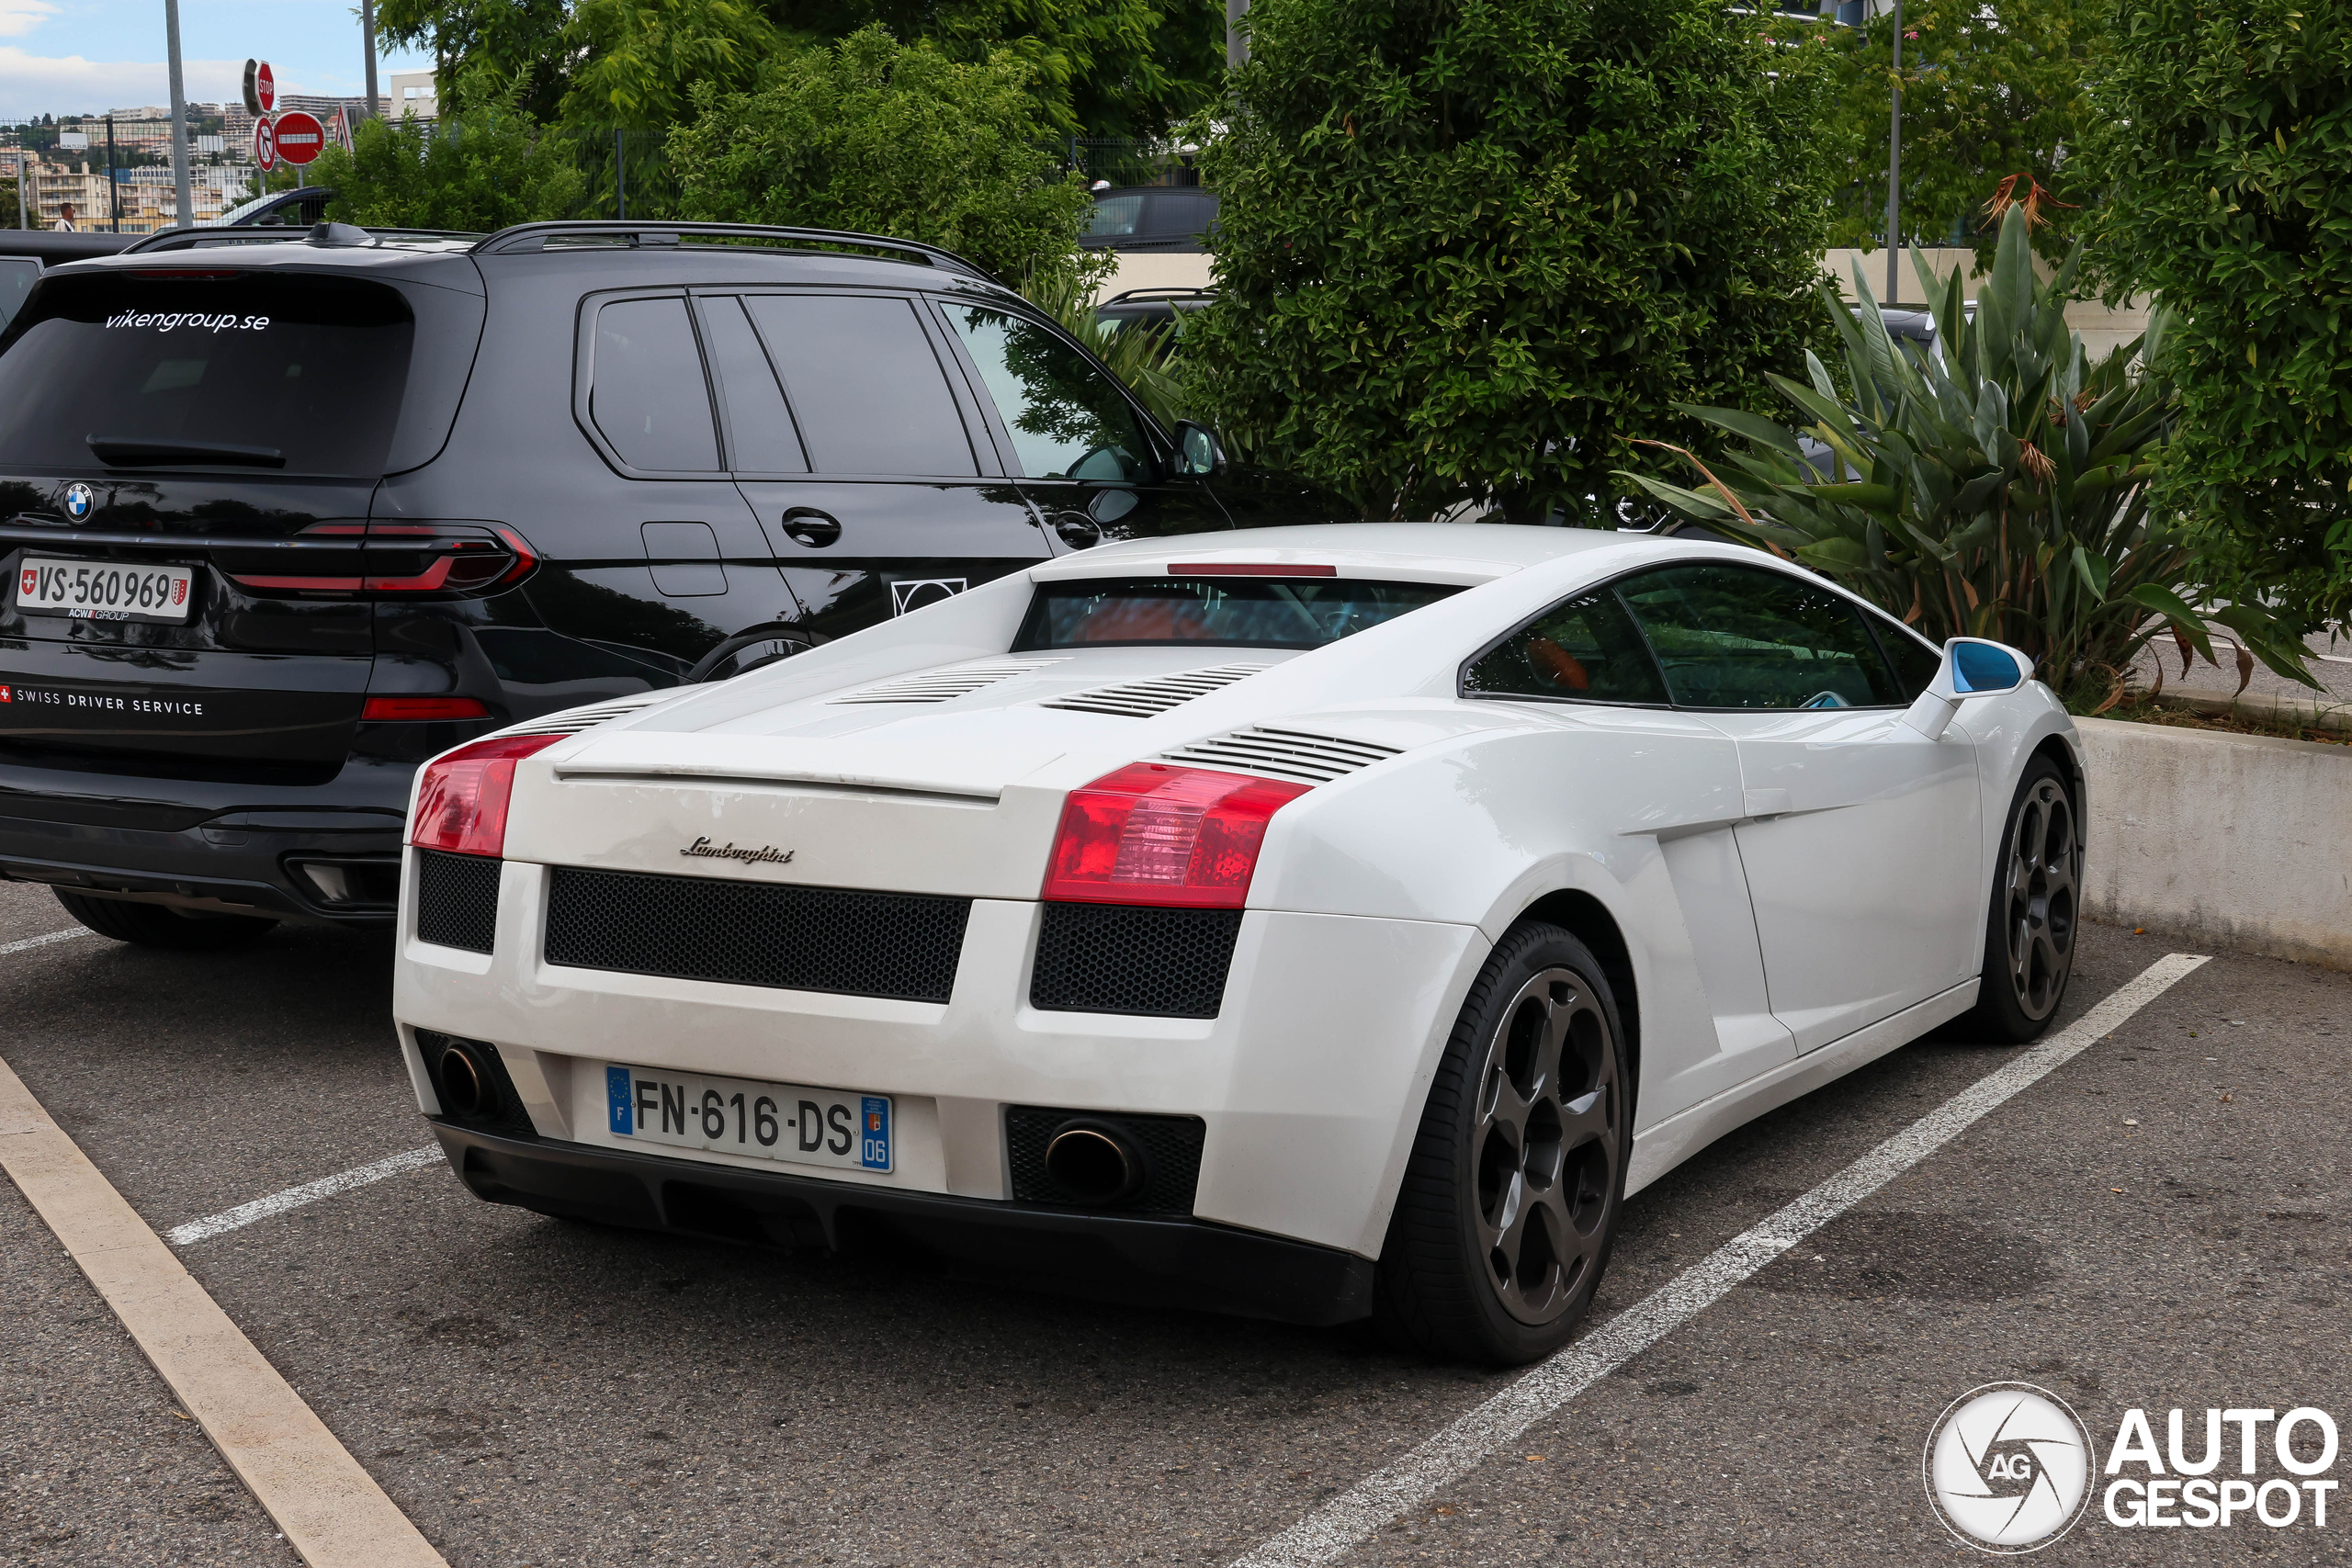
2226, 155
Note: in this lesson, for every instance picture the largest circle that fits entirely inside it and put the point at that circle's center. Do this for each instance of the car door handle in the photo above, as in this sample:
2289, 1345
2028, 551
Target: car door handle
807, 525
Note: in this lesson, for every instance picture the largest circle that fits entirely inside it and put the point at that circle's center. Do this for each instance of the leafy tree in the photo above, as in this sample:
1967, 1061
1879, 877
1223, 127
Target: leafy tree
481, 169
1991, 88
1467, 249
889, 139
638, 58
1098, 67
514, 51
2226, 139
1998, 487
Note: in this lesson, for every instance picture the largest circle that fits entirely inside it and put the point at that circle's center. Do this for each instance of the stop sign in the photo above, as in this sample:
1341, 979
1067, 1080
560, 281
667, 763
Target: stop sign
301, 137
264, 87
264, 145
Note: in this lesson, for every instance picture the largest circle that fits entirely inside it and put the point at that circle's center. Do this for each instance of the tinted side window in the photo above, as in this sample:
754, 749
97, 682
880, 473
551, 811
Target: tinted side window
1915, 665
761, 438
1730, 637
1586, 649
1069, 421
16, 279
864, 385
646, 391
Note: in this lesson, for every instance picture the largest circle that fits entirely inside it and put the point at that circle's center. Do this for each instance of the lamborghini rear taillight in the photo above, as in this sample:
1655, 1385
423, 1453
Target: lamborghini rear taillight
1154, 834
461, 803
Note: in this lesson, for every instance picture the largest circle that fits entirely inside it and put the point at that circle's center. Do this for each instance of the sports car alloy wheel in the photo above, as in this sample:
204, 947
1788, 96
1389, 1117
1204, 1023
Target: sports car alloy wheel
1509, 1203
1548, 1148
2039, 886
2030, 929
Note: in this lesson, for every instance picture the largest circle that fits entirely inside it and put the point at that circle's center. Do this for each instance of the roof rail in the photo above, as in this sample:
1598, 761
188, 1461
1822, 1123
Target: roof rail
270, 234
535, 237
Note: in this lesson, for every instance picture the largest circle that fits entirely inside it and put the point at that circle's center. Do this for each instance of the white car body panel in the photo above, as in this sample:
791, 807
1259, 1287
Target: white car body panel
1795, 892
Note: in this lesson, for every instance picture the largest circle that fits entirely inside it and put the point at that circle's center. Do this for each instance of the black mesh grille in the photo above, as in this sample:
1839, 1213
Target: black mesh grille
749, 933
456, 899
1171, 1147
1113, 958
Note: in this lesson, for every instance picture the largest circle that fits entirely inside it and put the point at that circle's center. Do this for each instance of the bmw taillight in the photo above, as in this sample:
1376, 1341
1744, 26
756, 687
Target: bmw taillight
431, 560
1154, 834
461, 802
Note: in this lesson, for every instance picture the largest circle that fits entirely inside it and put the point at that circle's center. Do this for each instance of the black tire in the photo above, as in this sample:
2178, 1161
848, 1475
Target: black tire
742, 654
2035, 912
1538, 1049
156, 925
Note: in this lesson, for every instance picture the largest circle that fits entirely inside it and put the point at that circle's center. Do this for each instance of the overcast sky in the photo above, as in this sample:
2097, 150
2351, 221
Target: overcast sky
89, 56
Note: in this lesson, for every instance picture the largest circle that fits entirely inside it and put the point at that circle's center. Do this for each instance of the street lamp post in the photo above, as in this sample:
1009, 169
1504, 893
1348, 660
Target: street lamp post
1895, 166
1236, 41
367, 27
186, 215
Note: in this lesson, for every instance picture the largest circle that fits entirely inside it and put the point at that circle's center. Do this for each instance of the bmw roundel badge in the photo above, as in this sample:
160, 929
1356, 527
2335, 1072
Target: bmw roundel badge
79, 499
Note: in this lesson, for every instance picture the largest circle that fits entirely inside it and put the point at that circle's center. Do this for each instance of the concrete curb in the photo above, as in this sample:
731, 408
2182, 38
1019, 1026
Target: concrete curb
2259, 706
2238, 841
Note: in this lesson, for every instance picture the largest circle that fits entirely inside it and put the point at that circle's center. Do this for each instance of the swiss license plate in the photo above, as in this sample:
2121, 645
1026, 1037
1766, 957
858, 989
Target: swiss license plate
739, 1116
104, 590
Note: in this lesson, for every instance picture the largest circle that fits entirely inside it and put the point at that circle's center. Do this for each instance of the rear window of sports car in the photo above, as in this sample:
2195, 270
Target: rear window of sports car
1233, 612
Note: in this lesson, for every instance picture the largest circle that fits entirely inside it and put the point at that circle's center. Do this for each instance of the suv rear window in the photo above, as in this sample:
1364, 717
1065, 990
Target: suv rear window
1238, 611
311, 367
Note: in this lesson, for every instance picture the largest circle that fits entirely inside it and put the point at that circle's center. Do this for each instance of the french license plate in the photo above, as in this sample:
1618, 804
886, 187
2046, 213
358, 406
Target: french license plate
739, 1116
104, 590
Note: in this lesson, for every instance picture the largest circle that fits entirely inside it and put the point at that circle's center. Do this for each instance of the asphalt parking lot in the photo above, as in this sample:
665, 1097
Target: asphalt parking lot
2164, 1220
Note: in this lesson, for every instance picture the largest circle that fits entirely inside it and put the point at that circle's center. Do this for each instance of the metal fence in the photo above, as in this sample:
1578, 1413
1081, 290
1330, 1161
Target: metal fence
113, 173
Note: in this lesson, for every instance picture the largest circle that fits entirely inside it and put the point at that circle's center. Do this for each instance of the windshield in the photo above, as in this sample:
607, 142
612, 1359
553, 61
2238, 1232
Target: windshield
155, 366
1238, 611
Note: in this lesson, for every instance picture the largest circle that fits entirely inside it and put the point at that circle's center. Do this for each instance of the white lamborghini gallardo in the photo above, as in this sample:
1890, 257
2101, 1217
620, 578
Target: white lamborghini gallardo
1315, 923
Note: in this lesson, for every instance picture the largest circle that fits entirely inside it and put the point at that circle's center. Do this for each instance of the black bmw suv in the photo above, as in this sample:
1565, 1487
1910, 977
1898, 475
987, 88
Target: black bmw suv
286, 519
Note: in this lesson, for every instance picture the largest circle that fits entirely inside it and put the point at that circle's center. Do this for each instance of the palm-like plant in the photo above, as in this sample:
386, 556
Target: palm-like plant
1994, 487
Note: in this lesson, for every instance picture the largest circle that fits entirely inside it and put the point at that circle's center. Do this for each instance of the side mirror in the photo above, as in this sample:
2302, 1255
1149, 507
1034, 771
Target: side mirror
1971, 668
1198, 453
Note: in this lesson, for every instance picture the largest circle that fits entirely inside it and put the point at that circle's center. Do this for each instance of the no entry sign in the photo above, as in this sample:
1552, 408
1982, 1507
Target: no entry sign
301, 137
264, 145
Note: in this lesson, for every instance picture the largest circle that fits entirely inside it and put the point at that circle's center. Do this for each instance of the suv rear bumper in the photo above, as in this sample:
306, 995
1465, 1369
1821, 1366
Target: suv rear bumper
211, 846
1150, 1263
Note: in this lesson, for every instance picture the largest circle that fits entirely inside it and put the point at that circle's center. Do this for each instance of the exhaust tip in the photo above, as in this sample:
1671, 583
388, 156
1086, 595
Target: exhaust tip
1095, 1164
464, 1090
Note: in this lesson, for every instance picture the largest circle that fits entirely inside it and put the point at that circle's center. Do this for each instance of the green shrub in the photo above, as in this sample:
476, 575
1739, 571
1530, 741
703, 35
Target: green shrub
1466, 250
2225, 151
1996, 488
887, 139
482, 169
1989, 90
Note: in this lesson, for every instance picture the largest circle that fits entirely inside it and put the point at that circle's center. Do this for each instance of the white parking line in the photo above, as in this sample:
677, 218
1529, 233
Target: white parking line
1333, 1531
68, 934
332, 1512
295, 1197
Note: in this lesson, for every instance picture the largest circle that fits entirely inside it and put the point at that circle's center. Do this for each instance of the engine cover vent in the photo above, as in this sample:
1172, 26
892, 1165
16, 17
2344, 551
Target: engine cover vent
946, 685
1283, 754
1144, 699
571, 721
